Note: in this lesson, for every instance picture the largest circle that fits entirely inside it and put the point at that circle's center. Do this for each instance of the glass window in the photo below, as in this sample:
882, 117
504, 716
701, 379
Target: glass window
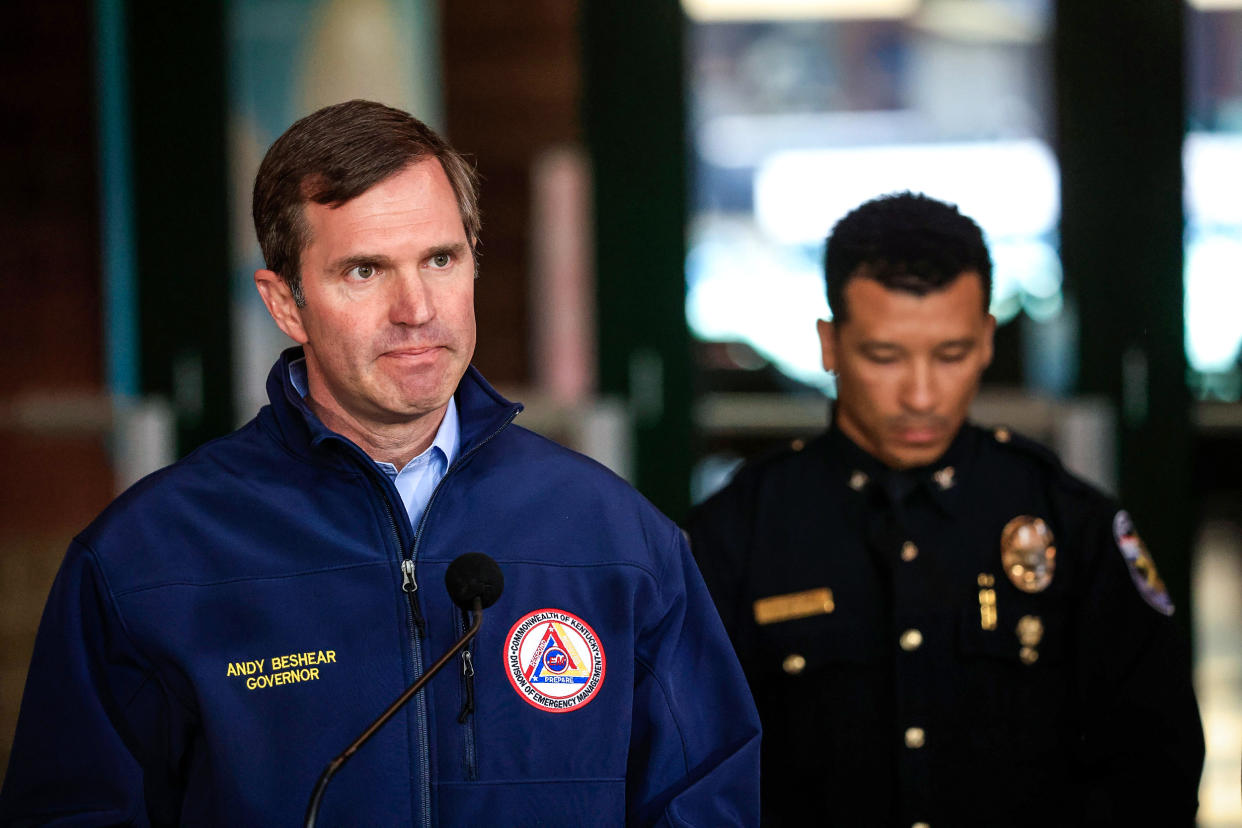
796, 119
1212, 160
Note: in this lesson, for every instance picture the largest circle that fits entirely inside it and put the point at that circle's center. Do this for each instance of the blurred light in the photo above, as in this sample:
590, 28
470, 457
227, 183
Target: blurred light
1043, 308
1213, 294
744, 358
987, 22
1215, 5
717, 11
1006, 307
1031, 264
744, 141
1011, 188
1026, 275
1213, 165
741, 287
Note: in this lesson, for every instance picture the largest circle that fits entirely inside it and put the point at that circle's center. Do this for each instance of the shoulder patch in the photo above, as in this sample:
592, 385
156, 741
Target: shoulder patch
554, 660
1139, 562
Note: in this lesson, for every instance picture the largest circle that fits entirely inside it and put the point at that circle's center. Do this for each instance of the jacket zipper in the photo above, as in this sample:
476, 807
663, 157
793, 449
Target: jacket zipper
467, 659
410, 586
467, 671
466, 717
417, 626
467, 675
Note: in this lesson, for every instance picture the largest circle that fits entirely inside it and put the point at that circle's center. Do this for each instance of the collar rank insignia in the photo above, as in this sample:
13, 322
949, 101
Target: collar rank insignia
1139, 562
944, 478
859, 480
1028, 555
554, 660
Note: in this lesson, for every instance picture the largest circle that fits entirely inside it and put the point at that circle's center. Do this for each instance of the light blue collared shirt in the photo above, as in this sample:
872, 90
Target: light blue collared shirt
416, 482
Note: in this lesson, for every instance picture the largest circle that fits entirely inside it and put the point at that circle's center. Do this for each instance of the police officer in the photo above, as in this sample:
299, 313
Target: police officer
940, 625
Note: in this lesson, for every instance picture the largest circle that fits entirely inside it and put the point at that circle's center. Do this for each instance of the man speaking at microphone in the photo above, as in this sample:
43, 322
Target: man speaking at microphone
232, 622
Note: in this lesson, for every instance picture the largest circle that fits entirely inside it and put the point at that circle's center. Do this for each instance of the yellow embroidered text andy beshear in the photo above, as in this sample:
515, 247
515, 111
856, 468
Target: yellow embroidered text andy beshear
284, 669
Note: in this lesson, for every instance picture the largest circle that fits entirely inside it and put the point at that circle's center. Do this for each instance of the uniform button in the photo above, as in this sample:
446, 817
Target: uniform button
858, 480
909, 551
797, 445
1003, 435
915, 737
793, 664
920, 825
911, 640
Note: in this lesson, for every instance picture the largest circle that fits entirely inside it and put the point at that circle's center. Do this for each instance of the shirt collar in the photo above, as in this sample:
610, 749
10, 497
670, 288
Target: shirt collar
860, 471
297, 376
448, 435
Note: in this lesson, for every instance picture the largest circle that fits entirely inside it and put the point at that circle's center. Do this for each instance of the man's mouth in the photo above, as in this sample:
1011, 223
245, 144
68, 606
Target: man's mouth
415, 353
918, 434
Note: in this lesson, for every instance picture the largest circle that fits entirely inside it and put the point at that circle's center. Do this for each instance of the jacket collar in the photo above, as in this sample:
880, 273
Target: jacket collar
481, 410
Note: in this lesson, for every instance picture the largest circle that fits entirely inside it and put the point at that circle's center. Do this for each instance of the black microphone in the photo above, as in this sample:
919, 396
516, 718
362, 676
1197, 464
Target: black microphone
474, 582
474, 575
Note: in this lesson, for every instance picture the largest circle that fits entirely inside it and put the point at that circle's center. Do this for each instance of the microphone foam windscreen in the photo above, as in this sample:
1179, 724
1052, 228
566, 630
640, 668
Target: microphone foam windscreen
474, 575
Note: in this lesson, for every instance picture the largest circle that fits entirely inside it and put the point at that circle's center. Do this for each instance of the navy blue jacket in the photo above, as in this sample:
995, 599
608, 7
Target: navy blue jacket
232, 622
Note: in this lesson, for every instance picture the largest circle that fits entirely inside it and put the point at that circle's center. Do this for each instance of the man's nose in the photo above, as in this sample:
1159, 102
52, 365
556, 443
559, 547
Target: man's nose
410, 301
919, 391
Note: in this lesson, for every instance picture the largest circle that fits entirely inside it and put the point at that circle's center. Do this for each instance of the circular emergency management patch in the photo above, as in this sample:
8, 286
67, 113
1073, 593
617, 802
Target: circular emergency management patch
1142, 567
554, 660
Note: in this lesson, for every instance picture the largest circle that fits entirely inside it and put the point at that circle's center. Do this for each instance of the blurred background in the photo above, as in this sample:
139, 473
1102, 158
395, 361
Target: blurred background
658, 179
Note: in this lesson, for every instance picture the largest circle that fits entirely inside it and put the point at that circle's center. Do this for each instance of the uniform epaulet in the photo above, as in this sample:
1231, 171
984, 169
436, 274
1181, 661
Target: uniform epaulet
1007, 438
755, 469
778, 454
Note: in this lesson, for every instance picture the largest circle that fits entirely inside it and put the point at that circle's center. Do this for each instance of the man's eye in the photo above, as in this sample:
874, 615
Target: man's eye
441, 260
362, 271
953, 356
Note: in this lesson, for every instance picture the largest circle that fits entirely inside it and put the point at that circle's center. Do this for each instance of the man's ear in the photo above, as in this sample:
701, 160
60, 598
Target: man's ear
988, 334
279, 300
827, 343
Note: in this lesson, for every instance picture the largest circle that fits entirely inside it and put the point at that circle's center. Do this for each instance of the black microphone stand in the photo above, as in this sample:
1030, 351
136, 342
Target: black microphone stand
312, 808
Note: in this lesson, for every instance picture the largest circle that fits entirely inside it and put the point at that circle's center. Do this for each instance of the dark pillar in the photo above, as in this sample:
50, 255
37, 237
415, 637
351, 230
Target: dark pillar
633, 109
177, 54
1120, 103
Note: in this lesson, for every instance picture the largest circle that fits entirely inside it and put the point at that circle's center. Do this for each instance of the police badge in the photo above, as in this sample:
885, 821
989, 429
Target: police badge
1139, 562
1027, 553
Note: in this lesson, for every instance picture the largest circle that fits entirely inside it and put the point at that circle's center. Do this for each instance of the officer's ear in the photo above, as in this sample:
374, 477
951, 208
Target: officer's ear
828, 343
988, 334
280, 304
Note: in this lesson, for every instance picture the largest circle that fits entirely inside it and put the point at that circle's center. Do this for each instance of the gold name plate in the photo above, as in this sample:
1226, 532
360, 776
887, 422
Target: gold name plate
794, 605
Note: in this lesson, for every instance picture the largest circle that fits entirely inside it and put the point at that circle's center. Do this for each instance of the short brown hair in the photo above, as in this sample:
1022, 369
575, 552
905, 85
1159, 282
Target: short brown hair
337, 154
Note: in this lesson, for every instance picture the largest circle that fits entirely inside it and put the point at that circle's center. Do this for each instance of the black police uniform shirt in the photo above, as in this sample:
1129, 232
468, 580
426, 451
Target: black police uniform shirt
984, 641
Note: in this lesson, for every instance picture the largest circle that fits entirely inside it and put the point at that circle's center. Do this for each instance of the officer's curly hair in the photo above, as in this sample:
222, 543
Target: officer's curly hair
905, 241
